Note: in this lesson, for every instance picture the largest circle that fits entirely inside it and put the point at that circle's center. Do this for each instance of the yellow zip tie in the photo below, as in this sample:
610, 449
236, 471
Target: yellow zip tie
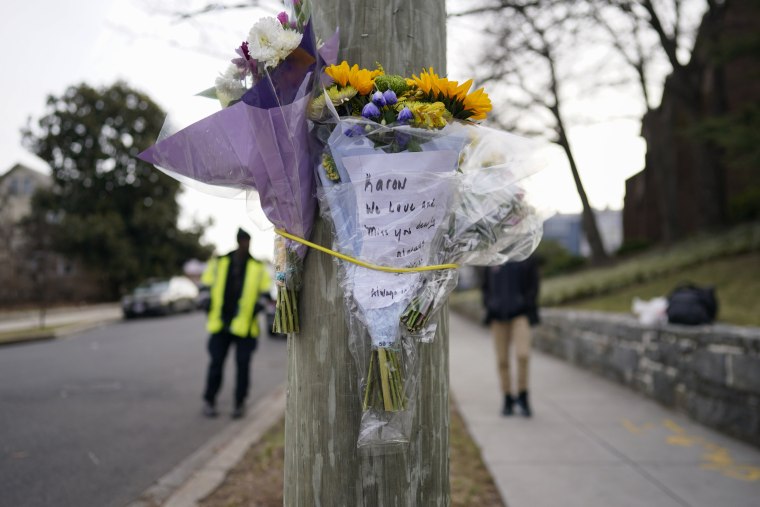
363, 264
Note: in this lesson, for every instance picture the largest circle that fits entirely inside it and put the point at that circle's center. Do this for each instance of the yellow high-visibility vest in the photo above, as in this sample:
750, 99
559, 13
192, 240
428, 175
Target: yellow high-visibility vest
256, 281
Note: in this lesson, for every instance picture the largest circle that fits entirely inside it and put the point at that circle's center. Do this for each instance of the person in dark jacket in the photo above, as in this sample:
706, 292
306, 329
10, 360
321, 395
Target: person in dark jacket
510, 292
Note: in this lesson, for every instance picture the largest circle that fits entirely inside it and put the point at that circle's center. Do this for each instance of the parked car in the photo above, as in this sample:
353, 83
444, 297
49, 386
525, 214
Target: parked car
161, 297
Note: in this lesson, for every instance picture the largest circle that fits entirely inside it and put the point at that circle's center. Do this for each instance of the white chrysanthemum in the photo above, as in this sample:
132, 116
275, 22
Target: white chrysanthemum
229, 86
270, 42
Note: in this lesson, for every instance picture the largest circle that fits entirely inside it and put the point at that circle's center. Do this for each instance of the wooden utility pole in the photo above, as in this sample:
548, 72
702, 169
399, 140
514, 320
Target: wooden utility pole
323, 467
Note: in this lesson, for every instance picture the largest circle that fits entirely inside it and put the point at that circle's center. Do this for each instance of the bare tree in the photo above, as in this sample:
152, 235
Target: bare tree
672, 29
628, 36
529, 43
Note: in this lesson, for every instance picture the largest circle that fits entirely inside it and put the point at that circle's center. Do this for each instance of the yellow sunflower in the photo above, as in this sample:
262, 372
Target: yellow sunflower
362, 80
478, 104
473, 106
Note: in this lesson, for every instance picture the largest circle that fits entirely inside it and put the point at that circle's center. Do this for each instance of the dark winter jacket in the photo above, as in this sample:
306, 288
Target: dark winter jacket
511, 290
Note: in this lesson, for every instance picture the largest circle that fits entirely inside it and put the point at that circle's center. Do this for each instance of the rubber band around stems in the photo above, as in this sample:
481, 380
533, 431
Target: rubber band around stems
361, 263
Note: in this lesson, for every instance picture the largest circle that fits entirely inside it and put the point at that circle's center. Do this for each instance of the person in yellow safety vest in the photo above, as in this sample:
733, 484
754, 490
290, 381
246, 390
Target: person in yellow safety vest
236, 282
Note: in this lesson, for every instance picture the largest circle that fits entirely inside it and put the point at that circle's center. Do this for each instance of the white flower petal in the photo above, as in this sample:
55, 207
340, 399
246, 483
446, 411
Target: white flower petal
270, 42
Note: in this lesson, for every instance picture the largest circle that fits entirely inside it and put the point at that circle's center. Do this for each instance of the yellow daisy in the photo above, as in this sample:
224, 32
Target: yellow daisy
428, 115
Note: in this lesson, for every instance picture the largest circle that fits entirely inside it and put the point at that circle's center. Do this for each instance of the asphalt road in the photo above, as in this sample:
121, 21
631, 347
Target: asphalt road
94, 419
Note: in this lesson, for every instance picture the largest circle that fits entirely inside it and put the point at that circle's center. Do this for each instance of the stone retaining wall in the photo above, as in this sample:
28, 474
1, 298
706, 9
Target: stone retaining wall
710, 372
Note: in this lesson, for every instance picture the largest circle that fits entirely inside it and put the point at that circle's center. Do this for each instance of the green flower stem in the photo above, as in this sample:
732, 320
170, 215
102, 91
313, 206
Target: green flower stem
417, 314
384, 379
286, 314
384, 389
400, 383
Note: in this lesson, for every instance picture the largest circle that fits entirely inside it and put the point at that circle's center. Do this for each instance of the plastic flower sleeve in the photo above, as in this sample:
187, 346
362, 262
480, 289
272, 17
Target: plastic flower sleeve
259, 142
493, 219
389, 209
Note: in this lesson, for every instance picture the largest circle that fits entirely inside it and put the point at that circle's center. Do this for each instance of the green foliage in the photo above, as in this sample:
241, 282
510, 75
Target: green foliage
106, 208
735, 278
738, 133
391, 82
632, 246
727, 260
746, 205
555, 259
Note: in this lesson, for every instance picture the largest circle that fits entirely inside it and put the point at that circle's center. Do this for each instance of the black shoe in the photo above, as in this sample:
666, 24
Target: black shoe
508, 404
239, 412
524, 404
209, 410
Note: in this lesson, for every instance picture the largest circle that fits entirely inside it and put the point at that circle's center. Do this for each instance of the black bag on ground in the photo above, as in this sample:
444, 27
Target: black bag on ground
692, 305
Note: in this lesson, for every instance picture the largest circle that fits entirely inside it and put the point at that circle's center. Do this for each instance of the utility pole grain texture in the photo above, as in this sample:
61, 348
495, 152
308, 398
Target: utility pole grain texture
323, 467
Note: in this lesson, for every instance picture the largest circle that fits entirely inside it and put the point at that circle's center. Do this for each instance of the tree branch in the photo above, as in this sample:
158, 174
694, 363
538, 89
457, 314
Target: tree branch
214, 7
669, 45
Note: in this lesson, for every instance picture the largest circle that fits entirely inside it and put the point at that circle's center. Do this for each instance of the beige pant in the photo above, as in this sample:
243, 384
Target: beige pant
505, 334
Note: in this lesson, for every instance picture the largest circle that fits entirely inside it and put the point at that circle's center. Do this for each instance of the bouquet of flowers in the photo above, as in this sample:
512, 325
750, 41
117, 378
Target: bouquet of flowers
259, 141
412, 186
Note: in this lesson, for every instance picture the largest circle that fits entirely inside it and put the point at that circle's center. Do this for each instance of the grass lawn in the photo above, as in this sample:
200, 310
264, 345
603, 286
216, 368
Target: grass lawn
730, 261
736, 278
258, 479
651, 265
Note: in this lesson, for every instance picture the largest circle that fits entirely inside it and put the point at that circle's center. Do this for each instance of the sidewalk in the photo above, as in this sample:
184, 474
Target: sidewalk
25, 325
591, 442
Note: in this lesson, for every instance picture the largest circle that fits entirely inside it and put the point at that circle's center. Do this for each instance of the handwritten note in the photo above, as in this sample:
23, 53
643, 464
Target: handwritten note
402, 200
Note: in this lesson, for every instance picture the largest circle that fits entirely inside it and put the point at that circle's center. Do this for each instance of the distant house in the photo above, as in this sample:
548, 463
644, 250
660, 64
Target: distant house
567, 230
29, 275
17, 186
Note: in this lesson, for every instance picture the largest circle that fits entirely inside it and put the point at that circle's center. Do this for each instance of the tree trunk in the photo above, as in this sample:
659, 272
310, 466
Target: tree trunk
323, 466
588, 220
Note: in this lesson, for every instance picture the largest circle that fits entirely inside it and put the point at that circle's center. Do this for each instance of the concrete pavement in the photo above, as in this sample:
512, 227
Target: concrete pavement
591, 442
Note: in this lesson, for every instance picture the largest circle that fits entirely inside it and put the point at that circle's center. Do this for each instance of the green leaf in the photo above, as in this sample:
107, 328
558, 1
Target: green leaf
209, 93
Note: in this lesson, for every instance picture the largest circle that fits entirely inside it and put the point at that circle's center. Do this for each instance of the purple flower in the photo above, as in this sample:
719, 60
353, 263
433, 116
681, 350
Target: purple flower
378, 99
246, 67
354, 131
390, 97
405, 115
370, 111
244, 50
283, 18
245, 63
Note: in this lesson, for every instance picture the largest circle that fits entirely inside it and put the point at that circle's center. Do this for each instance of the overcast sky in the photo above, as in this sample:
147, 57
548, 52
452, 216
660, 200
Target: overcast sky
49, 45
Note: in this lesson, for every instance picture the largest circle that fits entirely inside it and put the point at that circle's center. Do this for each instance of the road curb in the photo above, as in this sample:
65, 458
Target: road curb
60, 332
204, 470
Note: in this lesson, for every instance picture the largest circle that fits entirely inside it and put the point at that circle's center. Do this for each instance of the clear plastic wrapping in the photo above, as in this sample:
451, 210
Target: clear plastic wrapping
405, 197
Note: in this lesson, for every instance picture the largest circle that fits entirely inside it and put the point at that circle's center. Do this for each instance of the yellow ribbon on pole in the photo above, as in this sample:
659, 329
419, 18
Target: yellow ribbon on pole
368, 265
